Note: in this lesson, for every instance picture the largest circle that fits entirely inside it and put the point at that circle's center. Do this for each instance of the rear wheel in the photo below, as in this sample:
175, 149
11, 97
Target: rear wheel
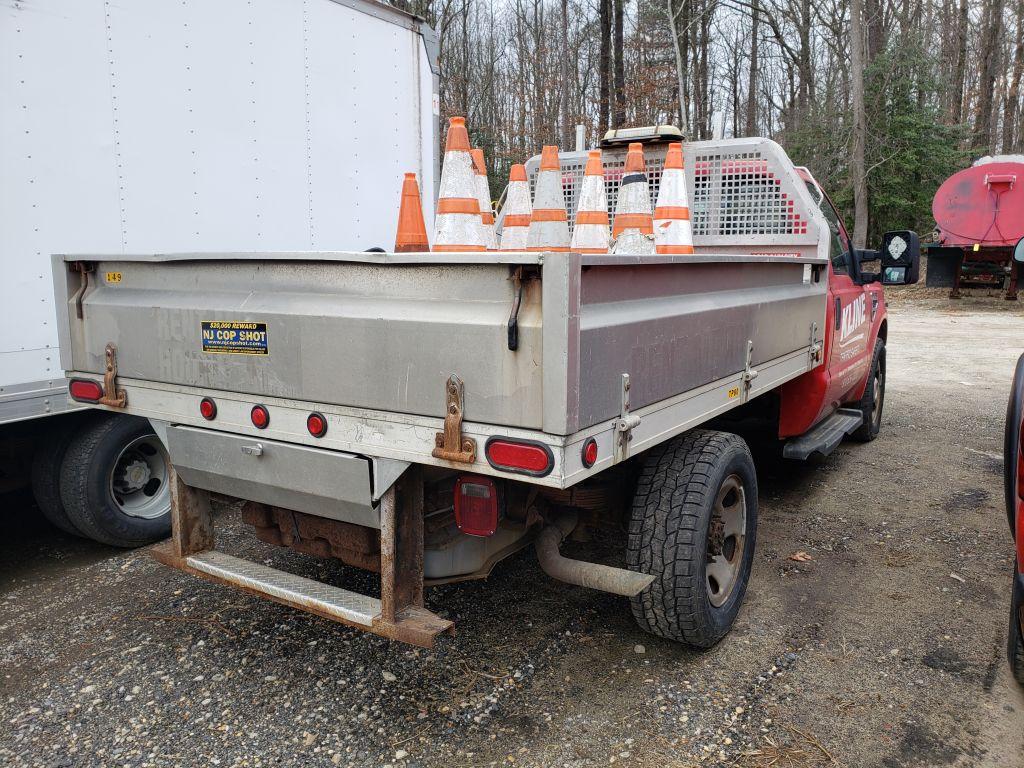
115, 482
874, 397
46, 463
693, 527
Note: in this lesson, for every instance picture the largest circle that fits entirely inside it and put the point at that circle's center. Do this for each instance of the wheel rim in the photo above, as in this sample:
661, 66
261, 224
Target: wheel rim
139, 481
876, 399
727, 534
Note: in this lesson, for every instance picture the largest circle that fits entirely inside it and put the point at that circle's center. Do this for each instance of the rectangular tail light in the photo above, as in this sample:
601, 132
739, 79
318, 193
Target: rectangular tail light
476, 505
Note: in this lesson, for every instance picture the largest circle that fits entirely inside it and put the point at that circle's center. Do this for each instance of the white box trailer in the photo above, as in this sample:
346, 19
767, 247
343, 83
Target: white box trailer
158, 126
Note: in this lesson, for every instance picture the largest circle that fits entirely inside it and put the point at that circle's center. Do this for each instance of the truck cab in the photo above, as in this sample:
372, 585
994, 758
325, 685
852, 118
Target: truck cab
853, 377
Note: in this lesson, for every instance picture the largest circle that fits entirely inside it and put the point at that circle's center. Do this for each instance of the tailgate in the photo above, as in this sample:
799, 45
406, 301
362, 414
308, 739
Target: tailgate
374, 331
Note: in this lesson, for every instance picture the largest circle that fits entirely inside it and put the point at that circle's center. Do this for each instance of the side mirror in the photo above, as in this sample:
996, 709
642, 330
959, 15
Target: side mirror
866, 256
1018, 252
901, 257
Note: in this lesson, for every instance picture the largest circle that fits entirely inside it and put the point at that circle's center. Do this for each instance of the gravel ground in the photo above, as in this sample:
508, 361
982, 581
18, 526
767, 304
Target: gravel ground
885, 647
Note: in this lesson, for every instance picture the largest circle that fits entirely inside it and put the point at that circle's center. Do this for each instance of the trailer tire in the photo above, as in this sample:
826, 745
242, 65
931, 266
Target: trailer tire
696, 501
1015, 641
115, 482
873, 399
46, 464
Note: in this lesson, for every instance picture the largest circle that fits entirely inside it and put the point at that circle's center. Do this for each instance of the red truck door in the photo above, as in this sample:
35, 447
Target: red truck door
849, 319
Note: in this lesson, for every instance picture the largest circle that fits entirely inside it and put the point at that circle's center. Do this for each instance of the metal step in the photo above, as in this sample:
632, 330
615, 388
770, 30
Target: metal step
328, 601
824, 437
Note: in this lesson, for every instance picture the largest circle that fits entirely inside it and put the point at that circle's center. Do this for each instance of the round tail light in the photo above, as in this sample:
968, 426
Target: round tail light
589, 453
316, 423
260, 417
208, 409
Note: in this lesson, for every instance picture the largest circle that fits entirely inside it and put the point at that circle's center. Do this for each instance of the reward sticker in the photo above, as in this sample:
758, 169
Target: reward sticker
228, 337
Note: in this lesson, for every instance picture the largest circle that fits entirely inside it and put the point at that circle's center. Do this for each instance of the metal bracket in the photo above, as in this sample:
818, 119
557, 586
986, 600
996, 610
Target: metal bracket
513, 317
814, 349
450, 445
749, 372
83, 268
253, 450
624, 425
112, 396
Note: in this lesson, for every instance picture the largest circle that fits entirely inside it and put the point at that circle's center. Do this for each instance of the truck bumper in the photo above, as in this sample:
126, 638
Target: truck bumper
398, 614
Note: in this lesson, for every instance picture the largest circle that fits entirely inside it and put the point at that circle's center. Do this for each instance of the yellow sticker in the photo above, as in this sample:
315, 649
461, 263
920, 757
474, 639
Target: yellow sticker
113, 277
734, 392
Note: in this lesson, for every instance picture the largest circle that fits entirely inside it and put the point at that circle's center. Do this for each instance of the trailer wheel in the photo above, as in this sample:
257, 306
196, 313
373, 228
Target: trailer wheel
693, 526
1015, 642
46, 464
115, 482
873, 398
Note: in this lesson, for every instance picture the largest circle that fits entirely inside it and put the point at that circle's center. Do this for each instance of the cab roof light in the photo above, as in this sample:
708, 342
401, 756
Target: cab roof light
524, 457
85, 390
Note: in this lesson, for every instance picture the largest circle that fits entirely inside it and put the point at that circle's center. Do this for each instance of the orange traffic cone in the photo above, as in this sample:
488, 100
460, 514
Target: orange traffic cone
672, 231
518, 210
633, 228
412, 231
590, 234
549, 225
483, 194
457, 225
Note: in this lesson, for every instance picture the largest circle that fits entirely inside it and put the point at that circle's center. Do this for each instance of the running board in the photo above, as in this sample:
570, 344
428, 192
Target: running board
825, 437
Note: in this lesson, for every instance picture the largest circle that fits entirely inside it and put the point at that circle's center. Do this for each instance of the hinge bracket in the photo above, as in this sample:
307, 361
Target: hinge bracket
451, 445
749, 372
814, 350
112, 396
624, 425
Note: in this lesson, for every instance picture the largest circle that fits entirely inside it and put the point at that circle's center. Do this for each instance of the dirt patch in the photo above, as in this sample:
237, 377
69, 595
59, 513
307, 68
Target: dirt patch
869, 654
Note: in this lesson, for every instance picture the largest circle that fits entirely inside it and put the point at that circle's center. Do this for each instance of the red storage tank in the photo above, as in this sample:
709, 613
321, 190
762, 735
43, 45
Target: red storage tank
979, 213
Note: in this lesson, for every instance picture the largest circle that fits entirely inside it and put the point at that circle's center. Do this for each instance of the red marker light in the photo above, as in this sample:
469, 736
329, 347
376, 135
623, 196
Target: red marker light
589, 453
208, 409
316, 424
260, 417
85, 390
521, 456
476, 505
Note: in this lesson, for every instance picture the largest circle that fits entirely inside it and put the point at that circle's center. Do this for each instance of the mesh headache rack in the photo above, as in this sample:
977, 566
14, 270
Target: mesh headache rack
742, 191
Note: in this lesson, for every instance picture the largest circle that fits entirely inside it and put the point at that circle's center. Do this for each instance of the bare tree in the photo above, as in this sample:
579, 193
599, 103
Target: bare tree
858, 177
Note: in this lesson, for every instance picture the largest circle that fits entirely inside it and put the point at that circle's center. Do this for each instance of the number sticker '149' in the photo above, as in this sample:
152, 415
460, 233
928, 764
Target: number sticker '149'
113, 277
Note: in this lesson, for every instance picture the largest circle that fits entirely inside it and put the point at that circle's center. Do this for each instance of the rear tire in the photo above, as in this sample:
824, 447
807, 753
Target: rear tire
1015, 642
115, 482
873, 399
693, 526
46, 464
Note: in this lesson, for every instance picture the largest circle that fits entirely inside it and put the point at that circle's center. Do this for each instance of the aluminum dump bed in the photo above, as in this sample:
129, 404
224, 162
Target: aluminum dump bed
543, 342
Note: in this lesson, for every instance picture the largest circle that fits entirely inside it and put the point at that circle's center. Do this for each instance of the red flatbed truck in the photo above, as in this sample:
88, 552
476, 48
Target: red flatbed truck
378, 411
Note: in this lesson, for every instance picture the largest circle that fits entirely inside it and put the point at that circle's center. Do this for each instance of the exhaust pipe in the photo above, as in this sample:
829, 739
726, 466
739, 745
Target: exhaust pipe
605, 578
